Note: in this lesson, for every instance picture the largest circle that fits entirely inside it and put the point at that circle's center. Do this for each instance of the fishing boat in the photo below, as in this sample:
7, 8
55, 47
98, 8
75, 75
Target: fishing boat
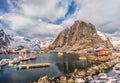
3, 62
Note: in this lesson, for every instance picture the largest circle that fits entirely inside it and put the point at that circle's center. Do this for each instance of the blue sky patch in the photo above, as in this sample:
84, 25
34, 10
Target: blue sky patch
4, 6
4, 24
71, 10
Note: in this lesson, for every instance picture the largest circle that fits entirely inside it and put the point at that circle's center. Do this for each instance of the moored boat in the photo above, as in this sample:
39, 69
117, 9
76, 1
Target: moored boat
3, 62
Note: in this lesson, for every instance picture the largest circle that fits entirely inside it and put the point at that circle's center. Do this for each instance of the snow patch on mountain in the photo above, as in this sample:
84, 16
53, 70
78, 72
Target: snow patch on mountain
46, 43
102, 36
33, 44
20, 41
115, 41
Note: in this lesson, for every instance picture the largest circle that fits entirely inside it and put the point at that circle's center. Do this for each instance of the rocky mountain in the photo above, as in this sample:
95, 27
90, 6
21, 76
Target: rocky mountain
33, 44
80, 35
7, 41
19, 41
4, 39
42, 44
46, 43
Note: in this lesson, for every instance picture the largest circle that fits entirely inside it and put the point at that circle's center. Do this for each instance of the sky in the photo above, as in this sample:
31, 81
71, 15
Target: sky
44, 19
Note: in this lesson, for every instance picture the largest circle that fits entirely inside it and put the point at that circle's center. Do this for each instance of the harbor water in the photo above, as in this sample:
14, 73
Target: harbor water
60, 65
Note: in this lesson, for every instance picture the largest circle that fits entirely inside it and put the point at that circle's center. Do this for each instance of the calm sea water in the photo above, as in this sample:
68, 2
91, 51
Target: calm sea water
59, 65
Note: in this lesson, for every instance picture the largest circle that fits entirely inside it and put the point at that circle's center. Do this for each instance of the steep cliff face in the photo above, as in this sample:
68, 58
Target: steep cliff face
4, 39
79, 36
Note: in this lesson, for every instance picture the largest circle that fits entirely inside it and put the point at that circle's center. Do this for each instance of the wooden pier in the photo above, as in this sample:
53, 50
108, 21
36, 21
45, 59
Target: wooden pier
29, 66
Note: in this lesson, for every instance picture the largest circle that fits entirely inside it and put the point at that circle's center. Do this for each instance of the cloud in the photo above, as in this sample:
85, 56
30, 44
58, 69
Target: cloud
111, 27
46, 18
1, 17
31, 27
44, 9
67, 22
100, 13
36, 18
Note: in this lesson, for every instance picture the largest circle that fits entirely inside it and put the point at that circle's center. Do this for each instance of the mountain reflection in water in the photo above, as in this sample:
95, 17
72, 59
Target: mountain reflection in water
59, 65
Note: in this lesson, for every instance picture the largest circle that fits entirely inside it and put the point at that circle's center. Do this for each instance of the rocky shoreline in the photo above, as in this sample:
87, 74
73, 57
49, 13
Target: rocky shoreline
82, 76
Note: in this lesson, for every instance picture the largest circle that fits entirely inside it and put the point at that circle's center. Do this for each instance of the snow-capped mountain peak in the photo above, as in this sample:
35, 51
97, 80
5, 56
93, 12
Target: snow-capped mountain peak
7, 41
33, 44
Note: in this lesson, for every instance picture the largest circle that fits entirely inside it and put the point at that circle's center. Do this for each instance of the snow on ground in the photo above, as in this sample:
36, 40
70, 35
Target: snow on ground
110, 77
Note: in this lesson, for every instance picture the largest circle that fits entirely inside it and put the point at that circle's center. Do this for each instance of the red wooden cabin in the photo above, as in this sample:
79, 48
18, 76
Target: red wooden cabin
103, 53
